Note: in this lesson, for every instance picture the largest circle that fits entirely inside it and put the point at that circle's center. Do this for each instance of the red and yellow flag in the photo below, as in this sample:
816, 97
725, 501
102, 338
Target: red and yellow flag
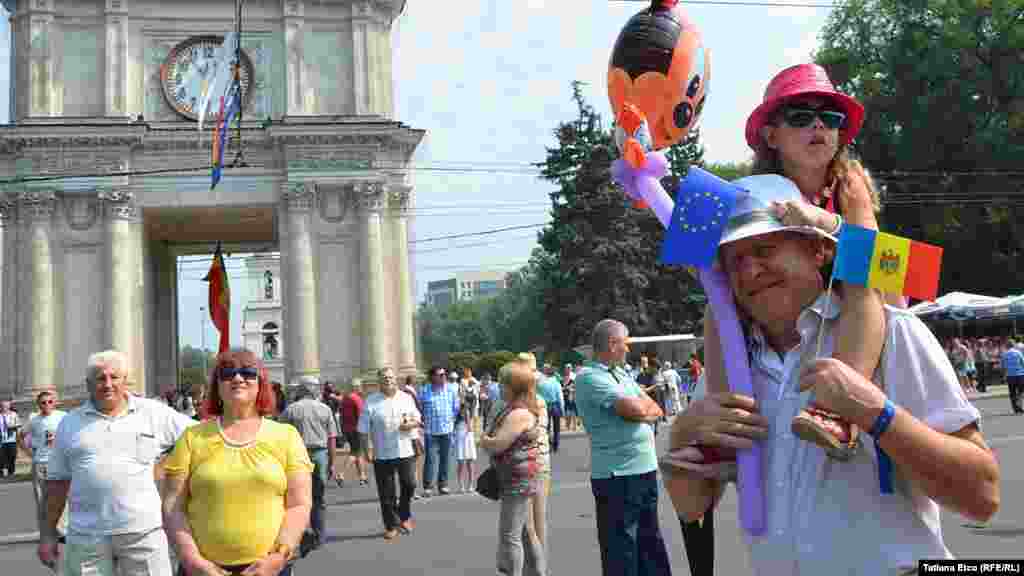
220, 298
887, 262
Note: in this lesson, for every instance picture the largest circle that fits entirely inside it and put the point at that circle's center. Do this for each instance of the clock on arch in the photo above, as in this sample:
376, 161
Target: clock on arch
189, 71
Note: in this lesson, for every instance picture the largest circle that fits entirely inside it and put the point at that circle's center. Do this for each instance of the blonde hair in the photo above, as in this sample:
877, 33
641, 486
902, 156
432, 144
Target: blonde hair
767, 161
527, 358
519, 380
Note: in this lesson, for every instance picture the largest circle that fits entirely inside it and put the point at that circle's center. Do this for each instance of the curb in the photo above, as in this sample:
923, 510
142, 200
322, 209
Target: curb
24, 538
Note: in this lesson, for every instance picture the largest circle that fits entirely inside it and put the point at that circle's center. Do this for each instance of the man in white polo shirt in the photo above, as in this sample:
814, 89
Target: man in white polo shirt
104, 455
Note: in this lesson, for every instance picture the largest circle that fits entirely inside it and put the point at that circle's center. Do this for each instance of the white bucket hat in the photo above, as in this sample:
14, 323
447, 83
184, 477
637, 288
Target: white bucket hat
752, 214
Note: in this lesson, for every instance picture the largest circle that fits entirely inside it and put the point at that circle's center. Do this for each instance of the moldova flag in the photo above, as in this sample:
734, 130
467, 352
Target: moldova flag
888, 263
219, 298
228, 110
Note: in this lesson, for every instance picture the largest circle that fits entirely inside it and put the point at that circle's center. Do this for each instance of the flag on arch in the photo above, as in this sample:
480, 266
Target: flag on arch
219, 298
228, 110
887, 262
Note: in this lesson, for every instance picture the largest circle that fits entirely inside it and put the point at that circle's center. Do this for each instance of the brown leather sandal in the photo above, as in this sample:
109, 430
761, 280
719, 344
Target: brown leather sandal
835, 435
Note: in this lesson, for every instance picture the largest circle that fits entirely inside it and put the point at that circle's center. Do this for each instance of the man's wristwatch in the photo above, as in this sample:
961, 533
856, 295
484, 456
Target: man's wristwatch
284, 550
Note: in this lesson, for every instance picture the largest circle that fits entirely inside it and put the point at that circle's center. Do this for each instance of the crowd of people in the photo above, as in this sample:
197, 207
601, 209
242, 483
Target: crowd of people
122, 480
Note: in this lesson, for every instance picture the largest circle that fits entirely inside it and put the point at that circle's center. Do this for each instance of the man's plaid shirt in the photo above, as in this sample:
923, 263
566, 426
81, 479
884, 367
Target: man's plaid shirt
439, 408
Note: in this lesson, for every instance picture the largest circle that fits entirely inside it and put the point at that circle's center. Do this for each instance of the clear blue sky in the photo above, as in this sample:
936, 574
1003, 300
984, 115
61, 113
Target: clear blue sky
490, 81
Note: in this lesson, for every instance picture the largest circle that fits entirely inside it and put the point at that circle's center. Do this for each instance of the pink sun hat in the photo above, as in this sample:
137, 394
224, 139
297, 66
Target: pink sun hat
803, 80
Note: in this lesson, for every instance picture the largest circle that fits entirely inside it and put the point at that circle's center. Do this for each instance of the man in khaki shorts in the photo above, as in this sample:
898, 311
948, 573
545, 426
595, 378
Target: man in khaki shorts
37, 438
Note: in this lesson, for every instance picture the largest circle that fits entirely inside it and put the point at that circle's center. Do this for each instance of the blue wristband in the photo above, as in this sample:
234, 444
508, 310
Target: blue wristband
883, 420
885, 468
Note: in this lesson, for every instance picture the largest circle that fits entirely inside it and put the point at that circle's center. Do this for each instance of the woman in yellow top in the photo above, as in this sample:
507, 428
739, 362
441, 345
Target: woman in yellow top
237, 493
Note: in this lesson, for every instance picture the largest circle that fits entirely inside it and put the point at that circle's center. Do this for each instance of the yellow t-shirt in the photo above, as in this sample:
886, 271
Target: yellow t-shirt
236, 497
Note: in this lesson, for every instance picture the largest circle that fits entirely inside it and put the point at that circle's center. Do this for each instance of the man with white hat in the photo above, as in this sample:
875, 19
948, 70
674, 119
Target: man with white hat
914, 416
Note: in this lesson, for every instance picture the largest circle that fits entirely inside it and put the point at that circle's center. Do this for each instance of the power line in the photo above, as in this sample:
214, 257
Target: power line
748, 3
480, 233
473, 244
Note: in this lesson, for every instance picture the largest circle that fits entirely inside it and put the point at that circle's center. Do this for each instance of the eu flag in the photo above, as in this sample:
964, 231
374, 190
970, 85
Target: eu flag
703, 204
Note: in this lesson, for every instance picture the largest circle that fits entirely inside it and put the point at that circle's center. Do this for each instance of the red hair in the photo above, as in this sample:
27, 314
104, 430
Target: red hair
266, 400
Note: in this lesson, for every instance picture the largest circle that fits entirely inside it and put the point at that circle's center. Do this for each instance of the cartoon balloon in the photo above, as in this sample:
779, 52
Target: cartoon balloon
660, 66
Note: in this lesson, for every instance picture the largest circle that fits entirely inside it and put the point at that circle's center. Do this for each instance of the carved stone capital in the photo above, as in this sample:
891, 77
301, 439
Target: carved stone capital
81, 210
117, 6
294, 8
37, 205
119, 203
400, 198
8, 210
369, 196
298, 196
333, 201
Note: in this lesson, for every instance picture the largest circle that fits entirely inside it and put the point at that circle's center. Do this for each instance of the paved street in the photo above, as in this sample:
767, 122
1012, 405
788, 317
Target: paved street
457, 534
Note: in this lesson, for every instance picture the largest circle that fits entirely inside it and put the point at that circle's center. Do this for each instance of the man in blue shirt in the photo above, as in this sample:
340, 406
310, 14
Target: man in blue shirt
550, 389
1013, 366
440, 402
623, 472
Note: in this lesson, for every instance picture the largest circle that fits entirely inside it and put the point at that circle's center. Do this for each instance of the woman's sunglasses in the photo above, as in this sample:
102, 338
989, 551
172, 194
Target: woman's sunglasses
803, 117
247, 373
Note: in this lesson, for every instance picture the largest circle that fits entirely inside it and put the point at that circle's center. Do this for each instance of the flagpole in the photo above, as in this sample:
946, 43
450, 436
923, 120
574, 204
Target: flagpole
239, 157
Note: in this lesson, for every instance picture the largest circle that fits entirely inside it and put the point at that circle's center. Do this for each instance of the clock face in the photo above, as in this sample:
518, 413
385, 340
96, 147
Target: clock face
189, 72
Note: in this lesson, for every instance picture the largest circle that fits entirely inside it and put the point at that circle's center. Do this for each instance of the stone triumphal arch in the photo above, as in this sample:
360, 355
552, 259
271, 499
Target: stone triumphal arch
89, 259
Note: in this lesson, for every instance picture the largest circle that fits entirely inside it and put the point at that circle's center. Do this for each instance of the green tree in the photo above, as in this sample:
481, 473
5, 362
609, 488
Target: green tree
516, 315
490, 363
598, 258
943, 85
459, 327
193, 369
729, 170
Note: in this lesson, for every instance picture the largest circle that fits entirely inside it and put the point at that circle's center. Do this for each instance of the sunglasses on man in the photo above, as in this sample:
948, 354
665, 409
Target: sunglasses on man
802, 116
246, 372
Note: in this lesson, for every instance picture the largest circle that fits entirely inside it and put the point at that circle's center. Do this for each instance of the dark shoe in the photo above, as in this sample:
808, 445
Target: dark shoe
341, 482
408, 526
443, 490
826, 429
390, 534
363, 482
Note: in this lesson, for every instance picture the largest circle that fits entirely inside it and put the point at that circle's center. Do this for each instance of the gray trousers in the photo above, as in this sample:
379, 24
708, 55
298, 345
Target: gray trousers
518, 554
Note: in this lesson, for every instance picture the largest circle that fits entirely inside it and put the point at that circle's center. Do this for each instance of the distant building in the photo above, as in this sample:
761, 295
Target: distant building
465, 286
261, 317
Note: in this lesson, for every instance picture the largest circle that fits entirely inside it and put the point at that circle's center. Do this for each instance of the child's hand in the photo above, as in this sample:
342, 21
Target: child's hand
800, 213
855, 198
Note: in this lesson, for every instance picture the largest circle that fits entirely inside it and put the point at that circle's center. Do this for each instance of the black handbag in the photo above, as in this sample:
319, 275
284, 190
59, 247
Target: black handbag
488, 485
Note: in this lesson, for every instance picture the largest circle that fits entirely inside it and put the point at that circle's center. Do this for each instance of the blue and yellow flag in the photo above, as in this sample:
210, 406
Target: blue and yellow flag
887, 262
703, 204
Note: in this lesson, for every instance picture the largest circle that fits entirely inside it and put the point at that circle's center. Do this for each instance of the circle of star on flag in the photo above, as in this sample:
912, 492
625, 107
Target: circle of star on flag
691, 208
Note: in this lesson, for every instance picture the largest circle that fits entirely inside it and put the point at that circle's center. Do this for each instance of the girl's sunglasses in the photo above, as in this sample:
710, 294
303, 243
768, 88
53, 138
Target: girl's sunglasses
247, 373
803, 117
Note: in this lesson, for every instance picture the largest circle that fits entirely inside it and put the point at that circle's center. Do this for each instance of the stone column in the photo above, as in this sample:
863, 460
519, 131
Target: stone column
401, 201
370, 201
8, 284
116, 58
42, 97
294, 21
362, 54
120, 309
37, 209
302, 332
